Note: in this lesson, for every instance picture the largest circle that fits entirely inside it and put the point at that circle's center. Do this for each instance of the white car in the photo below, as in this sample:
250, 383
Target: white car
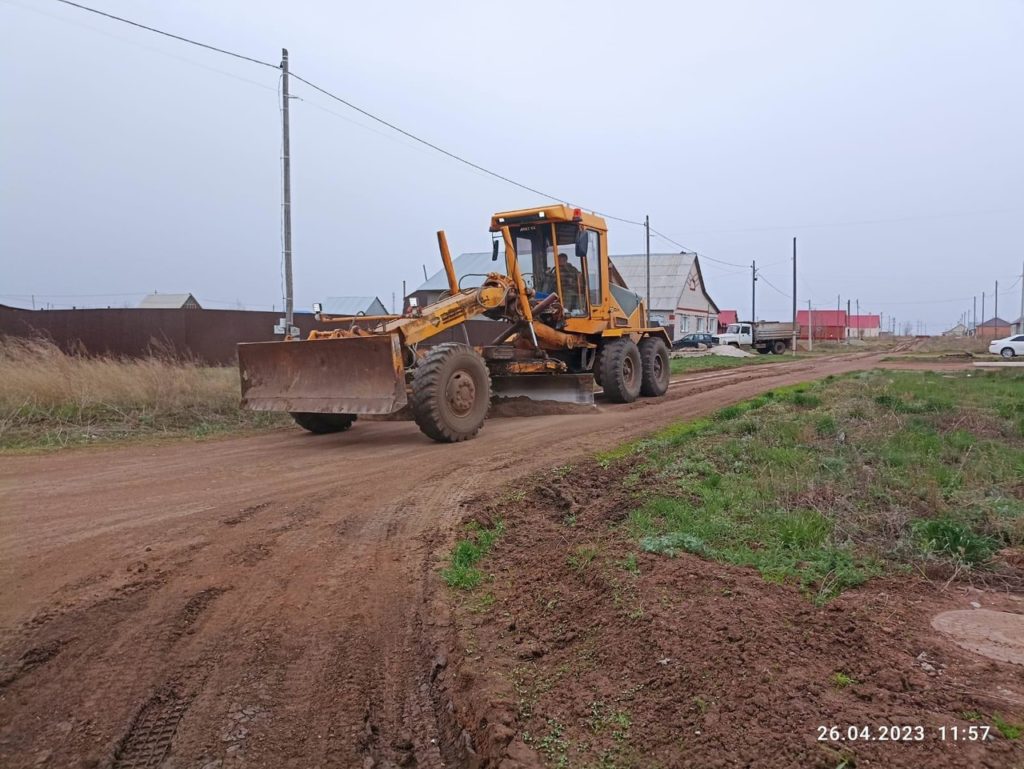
1009, 347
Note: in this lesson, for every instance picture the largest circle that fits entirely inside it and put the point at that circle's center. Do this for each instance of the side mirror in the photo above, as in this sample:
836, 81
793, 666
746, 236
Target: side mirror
318, 308
494, 250
582, 242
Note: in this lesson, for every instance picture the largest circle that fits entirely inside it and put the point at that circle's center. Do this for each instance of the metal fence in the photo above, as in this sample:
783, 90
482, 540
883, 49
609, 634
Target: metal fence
209, 336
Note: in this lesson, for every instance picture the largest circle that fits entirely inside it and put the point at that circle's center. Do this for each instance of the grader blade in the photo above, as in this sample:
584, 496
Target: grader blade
358, 375
560, 388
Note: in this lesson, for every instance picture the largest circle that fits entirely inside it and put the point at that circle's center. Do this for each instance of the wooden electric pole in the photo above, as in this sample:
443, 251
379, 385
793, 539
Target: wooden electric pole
795, 333
1020, 330
647, 235
286, 202
753, 292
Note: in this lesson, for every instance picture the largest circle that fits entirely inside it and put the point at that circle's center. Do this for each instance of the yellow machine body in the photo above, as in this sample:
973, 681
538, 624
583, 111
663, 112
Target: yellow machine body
365, 365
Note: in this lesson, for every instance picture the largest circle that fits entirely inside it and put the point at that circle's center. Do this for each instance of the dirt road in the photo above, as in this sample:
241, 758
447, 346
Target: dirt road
261, 600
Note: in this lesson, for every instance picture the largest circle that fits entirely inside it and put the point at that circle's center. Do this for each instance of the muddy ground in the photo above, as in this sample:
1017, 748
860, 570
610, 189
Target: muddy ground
273, 601
578, 651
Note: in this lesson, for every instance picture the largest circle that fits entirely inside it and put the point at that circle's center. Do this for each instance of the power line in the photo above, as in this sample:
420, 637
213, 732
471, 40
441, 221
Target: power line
760, 276
452, 155
190, 41
689, 250
857, 222
432, 146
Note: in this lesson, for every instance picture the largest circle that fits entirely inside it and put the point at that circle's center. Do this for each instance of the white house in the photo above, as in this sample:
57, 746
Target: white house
679, 298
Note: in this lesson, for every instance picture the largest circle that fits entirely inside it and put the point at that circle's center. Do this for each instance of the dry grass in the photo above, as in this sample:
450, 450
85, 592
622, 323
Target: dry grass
52, 399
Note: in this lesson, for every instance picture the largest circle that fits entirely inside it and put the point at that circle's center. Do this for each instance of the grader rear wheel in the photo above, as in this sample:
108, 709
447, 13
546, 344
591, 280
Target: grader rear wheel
451, 393
654, 364
321, 424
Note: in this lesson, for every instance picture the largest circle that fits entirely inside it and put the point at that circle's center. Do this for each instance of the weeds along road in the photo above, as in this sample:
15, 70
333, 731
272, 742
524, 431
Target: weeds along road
262, 600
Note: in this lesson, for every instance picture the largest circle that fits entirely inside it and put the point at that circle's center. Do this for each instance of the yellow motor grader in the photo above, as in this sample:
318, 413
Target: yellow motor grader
572, 322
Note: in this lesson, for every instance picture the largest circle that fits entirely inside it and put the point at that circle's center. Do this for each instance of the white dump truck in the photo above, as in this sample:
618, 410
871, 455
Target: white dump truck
765, 337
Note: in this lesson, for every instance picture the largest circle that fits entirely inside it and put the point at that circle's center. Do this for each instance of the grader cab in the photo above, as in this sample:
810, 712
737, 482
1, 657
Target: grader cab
572, 322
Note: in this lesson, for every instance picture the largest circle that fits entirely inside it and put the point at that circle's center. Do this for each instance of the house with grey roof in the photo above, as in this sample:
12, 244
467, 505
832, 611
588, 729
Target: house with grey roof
470, 269
158, 301
679, 298
351, 306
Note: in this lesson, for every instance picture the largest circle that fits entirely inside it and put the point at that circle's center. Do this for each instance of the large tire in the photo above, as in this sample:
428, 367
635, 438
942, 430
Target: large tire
778, 347
451, 393
1007, 352
654, 367
621, 373
762, 350
321, 424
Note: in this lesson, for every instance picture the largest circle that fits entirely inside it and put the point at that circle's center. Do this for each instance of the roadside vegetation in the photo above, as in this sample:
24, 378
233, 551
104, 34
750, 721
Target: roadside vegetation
828, 484
721, 557
708, 362
822, 485
50, 399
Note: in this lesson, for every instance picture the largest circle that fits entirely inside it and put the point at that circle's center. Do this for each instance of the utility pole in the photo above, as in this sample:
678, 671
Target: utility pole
647, 235
753, 292
847, 318
1019, 330
286, 203
995, 313
859, 332
810, 327
974, 325
794, 297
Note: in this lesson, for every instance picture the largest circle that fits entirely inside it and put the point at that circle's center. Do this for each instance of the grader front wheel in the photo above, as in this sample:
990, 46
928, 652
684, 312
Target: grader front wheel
620, 370
451, 392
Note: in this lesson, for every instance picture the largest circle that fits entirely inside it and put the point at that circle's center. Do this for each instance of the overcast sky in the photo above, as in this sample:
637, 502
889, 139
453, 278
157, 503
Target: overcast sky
887, 136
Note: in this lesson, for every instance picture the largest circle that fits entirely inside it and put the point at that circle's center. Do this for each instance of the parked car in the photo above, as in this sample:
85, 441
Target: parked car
694, 340
1008, 347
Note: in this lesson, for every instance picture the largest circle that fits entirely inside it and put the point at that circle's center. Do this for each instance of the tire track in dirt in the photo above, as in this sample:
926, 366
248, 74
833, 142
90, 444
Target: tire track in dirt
283, 613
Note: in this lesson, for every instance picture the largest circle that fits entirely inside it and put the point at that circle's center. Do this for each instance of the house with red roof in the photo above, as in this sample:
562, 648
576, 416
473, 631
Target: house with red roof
725, 317
864, 326
826, 324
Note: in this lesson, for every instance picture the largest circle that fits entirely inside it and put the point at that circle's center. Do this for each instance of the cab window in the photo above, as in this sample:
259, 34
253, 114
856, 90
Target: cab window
571, 271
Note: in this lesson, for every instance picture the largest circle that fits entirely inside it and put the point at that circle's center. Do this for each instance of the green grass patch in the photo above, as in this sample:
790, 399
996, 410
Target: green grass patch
826, 485
462, 571
841, 680
1009, 730
711, 362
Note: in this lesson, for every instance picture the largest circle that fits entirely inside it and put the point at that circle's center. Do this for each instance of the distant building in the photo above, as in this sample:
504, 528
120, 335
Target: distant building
994, 328
1018, 326
863, 326
725, 317
827, 324
679, 299
158, 301
350, 306
470, 269
958, 330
